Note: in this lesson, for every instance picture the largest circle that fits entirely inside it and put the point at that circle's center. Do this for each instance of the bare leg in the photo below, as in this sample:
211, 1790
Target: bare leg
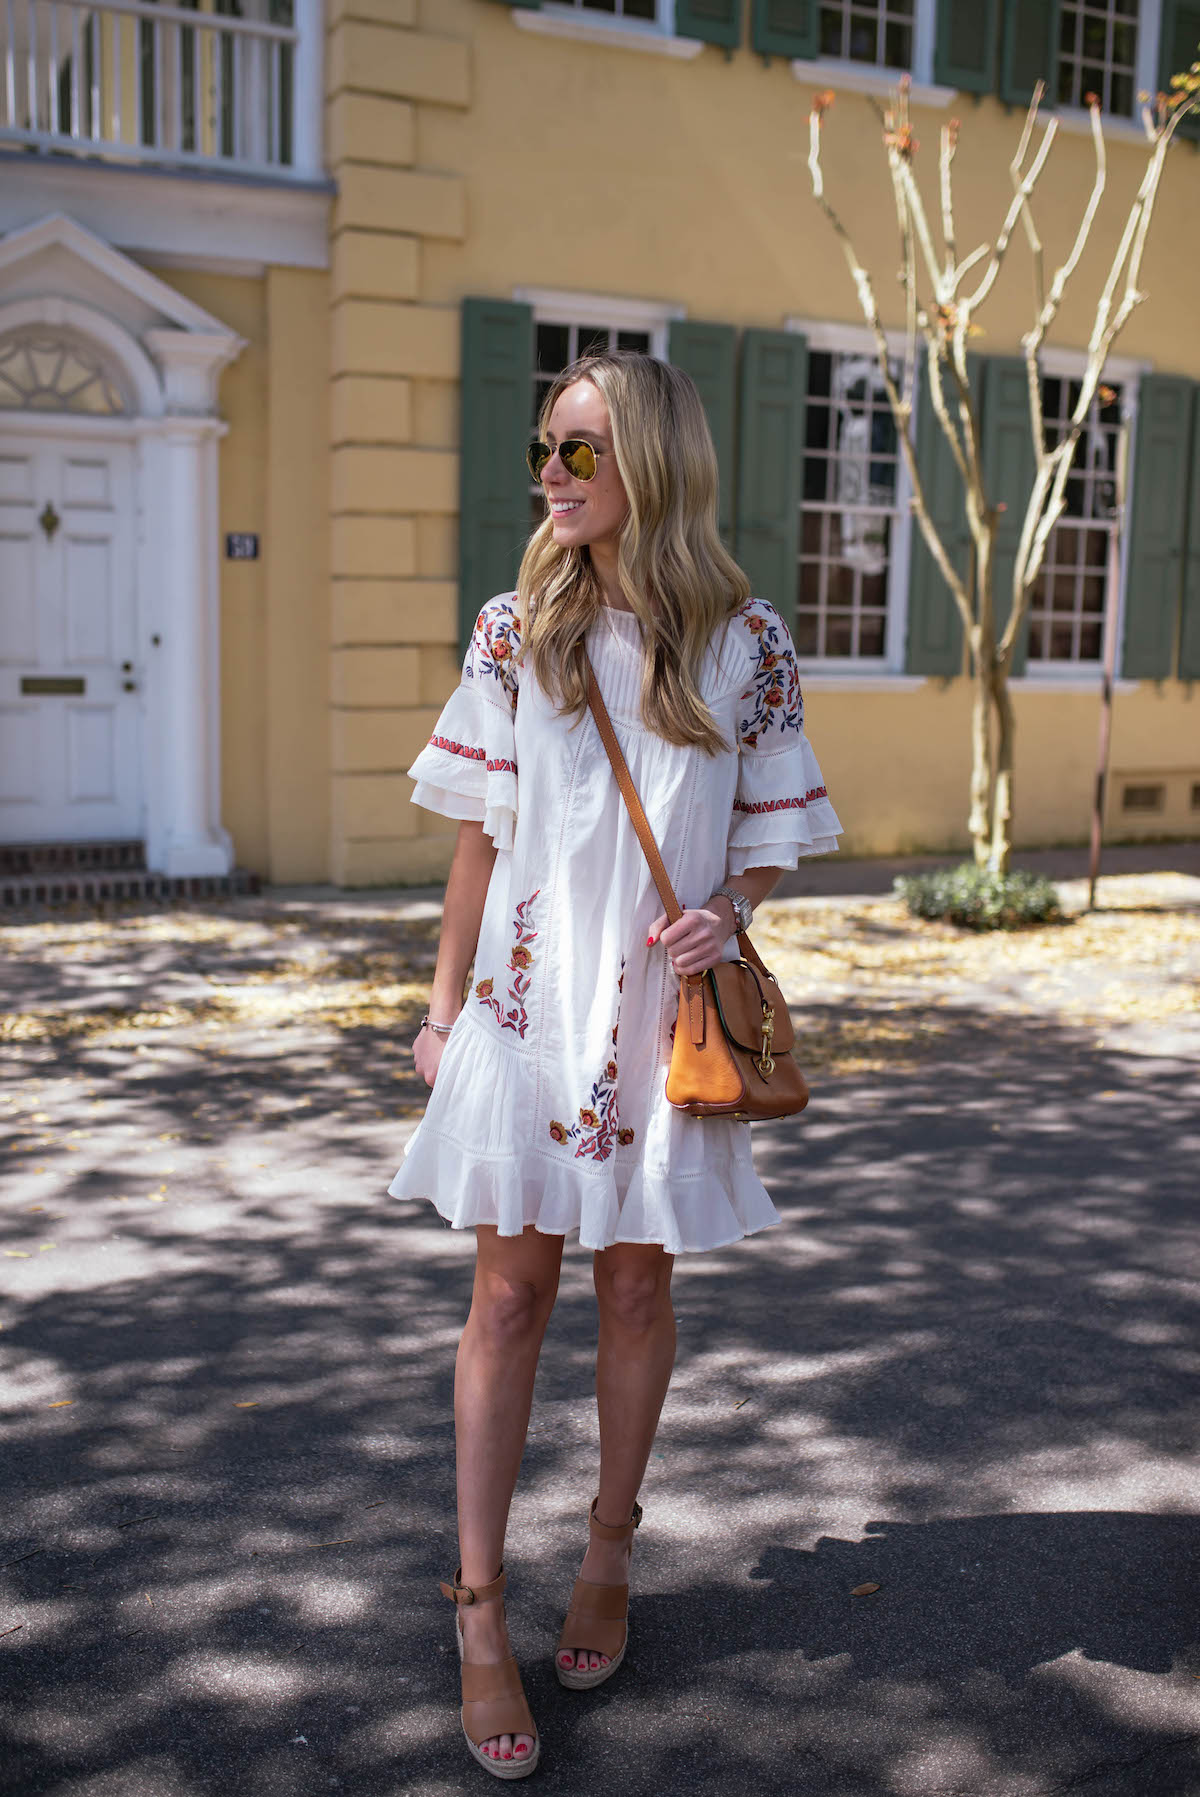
633, 1370
516, 1280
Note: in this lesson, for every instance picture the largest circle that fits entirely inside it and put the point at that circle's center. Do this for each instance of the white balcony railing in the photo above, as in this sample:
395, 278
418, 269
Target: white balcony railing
168, 84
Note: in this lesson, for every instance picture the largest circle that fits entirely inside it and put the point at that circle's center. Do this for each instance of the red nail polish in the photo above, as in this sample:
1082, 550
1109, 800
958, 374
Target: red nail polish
522, 1750
649, 942
508, 1756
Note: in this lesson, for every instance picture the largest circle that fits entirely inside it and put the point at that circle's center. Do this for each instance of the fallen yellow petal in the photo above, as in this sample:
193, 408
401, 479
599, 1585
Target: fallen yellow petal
44, 1245
16, 1254
248, 1404
59, 1403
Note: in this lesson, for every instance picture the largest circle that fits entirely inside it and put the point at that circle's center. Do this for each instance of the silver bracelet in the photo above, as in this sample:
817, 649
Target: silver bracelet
439, 1029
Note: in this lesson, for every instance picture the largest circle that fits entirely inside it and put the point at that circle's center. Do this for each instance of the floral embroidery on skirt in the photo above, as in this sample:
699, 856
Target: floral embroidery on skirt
520, 961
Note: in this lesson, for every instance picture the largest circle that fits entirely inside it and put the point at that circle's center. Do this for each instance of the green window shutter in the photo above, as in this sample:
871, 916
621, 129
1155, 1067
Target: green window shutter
964, 53
712, 21
773, 391
785, 28
1029, 52
1189, 635
526, 6
708, 353
1179, 48
1157, 526
1009, 470
497, 393
934, 643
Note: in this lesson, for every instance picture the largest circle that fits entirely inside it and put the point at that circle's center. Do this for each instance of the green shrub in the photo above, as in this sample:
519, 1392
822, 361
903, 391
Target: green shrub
979, 899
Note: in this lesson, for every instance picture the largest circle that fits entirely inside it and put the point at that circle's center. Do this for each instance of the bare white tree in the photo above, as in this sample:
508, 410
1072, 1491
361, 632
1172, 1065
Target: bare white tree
944, 293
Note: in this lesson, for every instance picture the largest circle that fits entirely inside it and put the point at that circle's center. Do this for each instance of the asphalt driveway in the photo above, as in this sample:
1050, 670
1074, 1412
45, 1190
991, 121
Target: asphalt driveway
964, 1372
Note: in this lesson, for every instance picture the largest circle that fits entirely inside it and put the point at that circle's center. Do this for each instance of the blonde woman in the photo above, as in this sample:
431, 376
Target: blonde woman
548, 1114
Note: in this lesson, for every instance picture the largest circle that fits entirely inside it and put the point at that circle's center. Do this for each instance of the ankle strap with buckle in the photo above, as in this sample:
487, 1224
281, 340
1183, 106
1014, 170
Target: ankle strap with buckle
608, 1531
474, 1594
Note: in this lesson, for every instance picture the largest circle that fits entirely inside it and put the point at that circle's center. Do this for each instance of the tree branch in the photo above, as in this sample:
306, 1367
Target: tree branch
949, 143
1025, 186
901, 413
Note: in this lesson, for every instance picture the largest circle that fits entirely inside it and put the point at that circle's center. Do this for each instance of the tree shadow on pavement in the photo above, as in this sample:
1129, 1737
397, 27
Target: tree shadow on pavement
963, 1370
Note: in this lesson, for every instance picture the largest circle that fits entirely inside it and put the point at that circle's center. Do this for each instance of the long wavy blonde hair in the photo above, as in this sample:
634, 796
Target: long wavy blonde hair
674, 571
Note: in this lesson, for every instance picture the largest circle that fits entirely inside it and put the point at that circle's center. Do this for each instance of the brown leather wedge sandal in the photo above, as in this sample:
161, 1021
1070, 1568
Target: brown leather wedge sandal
596, 1621
493, 1697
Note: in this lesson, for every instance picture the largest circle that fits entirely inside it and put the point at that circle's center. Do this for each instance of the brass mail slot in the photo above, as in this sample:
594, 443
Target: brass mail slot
35, 684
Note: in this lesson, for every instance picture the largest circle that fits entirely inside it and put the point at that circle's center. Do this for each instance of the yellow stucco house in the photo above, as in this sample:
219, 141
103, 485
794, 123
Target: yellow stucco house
281, 280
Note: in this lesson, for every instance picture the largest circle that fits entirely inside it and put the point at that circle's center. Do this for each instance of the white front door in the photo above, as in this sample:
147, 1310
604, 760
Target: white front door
70, 717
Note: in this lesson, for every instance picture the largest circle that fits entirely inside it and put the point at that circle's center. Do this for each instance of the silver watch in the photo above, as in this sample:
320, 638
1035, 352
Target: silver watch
743, 910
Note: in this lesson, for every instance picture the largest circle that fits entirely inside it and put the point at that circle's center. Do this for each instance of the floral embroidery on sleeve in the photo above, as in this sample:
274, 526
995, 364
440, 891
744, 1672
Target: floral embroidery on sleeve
495, 644
773, 700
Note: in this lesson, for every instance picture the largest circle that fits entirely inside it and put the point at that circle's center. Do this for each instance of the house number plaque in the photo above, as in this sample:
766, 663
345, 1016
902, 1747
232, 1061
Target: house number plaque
241, 546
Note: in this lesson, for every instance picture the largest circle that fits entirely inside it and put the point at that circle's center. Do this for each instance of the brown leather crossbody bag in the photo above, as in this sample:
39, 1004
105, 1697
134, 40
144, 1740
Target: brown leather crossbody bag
732, 1054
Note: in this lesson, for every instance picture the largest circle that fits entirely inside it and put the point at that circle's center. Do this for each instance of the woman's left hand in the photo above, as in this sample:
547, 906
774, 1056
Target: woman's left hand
695, 943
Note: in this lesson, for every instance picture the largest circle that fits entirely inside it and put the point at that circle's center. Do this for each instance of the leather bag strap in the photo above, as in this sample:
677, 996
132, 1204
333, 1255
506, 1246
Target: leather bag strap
691, 985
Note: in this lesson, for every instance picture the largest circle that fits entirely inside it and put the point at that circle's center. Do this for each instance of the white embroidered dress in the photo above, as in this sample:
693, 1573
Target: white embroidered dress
549, 1105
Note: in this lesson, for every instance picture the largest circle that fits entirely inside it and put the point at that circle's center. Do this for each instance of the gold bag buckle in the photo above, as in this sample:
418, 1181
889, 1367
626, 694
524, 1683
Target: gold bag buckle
766, 1065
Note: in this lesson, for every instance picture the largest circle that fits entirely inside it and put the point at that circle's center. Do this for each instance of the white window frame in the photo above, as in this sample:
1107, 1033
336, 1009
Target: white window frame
1139, 84
561, 307
1124, 372
1149, 30
552, 305
870, 78
889, 668
657, 36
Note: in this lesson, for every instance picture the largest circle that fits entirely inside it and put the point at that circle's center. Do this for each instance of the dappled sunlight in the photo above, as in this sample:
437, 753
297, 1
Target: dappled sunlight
962, 1371
1144, 1702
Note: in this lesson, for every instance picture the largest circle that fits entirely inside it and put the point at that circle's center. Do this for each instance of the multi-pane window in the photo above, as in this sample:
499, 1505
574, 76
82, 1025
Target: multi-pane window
875, 31
849, 512
619, 9
1097, 53
557, 345
1066, 619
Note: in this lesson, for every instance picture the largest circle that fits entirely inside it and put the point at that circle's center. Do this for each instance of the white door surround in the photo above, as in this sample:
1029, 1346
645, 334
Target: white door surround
161, 356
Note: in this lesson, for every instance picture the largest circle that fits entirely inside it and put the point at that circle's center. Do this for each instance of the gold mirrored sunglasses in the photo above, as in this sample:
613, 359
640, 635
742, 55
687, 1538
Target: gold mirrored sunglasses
577, 457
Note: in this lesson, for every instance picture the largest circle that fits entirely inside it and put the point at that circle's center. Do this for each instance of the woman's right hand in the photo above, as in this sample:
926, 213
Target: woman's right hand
428, 1049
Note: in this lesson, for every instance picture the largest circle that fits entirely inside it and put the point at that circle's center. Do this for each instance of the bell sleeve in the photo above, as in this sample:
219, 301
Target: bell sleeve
468, 768
781, 810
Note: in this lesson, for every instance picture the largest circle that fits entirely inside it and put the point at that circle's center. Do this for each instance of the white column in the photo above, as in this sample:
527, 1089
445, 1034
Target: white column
308, 98
183, 556
193, 841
